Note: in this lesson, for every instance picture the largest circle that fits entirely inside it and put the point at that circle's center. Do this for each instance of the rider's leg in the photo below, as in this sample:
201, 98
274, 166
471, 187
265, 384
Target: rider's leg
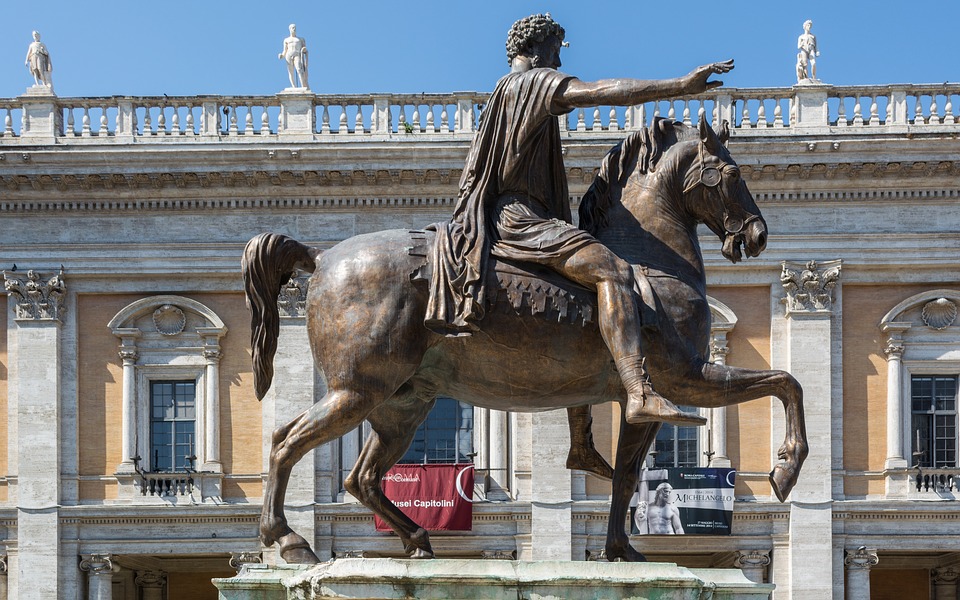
596, 266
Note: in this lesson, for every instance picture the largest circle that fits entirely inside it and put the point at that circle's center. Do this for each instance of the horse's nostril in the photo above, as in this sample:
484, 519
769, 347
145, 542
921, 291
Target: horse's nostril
762, 241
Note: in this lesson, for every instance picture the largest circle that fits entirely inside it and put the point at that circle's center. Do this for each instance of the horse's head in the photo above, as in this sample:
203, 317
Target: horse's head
718, 196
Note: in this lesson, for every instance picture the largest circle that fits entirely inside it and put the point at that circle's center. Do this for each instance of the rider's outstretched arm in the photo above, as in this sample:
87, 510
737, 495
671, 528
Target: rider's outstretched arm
627, 92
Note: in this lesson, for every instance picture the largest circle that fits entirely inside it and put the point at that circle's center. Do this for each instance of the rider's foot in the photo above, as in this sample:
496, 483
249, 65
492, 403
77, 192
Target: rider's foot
589, 460
652, 407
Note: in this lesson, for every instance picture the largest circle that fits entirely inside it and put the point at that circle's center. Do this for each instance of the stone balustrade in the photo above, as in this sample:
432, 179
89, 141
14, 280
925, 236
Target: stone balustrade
937, 481
833, 110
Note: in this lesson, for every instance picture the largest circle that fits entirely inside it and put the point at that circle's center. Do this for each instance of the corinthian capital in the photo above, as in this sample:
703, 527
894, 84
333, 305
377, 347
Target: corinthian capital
293, 296
810, 285
36, 298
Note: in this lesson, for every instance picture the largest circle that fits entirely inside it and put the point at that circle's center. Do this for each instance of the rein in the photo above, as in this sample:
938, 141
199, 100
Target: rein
710, 178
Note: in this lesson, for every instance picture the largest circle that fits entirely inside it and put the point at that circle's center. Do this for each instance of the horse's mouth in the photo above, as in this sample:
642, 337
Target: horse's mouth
731, 247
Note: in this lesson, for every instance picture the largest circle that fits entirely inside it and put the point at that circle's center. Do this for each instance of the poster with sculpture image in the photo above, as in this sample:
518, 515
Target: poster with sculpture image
683, 501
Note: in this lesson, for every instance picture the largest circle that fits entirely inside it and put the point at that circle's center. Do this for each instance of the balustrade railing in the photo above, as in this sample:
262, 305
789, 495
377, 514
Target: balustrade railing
166, 484
750, 111
937, 480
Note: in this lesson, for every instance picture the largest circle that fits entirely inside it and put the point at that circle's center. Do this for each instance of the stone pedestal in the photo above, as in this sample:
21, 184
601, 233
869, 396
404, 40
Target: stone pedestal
298, 121
384, 578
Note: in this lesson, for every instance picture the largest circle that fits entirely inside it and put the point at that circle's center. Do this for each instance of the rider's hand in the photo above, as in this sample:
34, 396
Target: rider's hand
697, 79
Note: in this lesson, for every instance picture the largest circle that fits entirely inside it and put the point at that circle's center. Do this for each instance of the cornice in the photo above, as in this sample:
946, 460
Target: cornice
419, 187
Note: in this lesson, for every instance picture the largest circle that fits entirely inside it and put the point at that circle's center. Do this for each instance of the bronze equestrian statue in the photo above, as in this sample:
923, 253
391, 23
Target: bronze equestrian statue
397, 318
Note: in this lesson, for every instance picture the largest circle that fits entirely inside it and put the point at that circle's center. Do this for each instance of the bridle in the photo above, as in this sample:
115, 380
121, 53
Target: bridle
734, 221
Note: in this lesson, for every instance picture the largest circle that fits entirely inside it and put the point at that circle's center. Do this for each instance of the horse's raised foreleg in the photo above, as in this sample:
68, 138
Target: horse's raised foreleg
336, 414
721, 385
393, 425
635, 441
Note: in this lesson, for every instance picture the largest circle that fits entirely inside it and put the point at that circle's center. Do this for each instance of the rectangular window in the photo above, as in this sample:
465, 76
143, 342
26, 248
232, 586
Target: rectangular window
173, 415
446, 436
677, 446
934, 426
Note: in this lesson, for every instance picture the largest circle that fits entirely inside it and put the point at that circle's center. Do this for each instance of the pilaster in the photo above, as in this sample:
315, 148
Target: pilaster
551, 504
292, 393
812, 355
36, 395
858, 563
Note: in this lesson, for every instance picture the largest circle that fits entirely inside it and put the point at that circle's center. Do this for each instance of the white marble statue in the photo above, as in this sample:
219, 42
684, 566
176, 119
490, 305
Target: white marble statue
295, 53
38, 62
807, 55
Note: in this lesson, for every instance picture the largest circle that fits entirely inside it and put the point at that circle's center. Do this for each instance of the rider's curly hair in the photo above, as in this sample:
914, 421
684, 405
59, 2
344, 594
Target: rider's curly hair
531, 30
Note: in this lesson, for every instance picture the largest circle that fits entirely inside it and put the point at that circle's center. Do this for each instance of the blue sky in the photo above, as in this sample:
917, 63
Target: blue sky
177, 47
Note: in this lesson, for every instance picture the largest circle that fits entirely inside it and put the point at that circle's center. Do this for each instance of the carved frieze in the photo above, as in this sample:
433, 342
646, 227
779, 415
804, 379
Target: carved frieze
809, 286
36, 298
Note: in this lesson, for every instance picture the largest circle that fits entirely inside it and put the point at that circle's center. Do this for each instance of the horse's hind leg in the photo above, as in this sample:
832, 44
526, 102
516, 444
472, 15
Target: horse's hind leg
393, 426
337, 413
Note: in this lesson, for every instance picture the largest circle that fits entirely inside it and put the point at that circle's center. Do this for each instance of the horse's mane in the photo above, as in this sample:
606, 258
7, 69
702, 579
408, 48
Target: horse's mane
645, 146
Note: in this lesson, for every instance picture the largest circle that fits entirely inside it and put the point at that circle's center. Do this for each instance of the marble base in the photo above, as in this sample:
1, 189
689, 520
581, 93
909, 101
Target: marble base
387, 578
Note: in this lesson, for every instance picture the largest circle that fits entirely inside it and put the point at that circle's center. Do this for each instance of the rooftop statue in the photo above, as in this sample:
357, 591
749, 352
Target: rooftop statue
807, 55
509, 288
38, 62
295, 53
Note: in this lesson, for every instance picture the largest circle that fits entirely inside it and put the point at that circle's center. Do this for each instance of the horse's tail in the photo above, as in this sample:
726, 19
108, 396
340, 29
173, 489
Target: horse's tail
268, 262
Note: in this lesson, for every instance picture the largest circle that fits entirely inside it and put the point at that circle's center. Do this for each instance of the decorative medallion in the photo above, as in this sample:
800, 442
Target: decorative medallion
939, 314
169, 319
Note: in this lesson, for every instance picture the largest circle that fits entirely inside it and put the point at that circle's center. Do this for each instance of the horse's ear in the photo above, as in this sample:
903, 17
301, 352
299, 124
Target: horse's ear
724, 134
707, 135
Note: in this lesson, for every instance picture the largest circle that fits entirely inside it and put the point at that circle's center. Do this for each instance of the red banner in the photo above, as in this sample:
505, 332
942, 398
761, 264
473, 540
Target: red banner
438, 497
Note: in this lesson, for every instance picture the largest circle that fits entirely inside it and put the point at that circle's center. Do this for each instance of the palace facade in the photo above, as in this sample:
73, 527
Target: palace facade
134, 451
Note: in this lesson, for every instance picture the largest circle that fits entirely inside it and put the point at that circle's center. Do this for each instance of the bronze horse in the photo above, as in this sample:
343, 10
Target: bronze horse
365, 318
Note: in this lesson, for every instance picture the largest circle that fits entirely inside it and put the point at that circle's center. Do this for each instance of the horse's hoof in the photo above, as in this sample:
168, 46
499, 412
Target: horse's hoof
591, 461
782, 481
296, 551
626, 554
421, 553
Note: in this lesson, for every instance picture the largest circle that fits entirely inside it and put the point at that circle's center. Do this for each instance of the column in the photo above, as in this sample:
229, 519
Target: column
211, 433
812, 355
717, 434
858, 565
35, 407
99, 569
128, 411
896, 458
497, 429
291, 394
945, 583
151, 584
753, 563
551, 505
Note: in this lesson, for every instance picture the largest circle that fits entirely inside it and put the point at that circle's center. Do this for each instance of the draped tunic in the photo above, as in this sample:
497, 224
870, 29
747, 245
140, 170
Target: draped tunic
513, 200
